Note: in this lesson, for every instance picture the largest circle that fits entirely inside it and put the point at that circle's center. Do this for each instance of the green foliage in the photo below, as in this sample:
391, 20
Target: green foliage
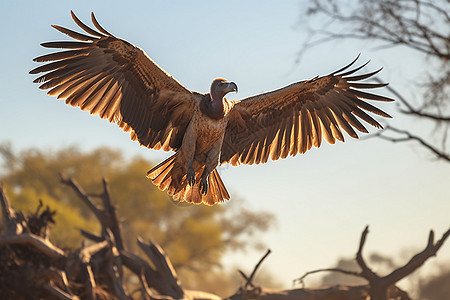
194, 237
66, 233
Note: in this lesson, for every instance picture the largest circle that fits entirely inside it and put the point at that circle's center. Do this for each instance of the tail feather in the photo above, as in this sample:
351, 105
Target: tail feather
214, 195
221, 186
192, 194
166, 178
160, 168
160, 178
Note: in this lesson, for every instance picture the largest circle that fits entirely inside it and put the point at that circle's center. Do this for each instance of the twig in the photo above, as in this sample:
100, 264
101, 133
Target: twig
107, 216
243, 275
409, 137
83, 196
249, 282
301, 279
111, 216
86, 253
58, 293
366, 272
89, 281
411, 110
91, 236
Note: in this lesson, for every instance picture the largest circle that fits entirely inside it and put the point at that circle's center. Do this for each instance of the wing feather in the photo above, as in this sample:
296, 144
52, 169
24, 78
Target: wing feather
364, 76
293, 119
74, 34
287, 138
352, 70
110, 77
295, 134
54, 65
65, 45
85, 27
98, 26
317, 131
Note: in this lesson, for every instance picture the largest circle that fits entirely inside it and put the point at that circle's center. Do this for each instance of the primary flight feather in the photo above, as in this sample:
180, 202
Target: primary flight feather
111, 77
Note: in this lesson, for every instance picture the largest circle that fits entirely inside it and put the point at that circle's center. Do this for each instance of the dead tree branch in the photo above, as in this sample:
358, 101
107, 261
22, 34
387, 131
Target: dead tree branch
407, 137
300, 280
419, 25
96, 271
249, 280
383, 287
35, 241
107, 216
164, 268
419, 259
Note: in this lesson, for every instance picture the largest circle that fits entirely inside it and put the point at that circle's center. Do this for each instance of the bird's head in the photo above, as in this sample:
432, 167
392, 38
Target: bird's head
220, 87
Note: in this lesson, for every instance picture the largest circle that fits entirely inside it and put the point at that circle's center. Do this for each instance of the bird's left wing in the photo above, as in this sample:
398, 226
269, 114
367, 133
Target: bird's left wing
111, 77
293, 119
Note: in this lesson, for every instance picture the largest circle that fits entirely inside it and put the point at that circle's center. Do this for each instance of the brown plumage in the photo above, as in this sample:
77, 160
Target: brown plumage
110, 77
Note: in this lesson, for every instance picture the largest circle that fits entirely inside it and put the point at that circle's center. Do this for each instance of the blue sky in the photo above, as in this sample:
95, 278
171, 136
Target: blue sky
322, 199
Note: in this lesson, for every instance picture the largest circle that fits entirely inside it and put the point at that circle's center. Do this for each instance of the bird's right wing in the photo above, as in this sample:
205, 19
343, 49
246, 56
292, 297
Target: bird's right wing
111, 77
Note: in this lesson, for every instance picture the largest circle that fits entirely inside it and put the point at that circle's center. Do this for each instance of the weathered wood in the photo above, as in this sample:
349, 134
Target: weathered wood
106, 216
34, 241
96, 271
164, 268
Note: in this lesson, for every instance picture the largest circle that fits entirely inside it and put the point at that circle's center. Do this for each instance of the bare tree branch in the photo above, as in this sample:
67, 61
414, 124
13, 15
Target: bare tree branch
35, 241
164, 268
420, 25
55, 291
252, 275
410, 109
83, 196
366, 272
419, 259
300, 280
407, 136
96, 271
106, 216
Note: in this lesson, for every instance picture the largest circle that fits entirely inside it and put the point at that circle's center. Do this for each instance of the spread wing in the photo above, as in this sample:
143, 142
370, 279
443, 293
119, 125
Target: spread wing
293, 119
110, 77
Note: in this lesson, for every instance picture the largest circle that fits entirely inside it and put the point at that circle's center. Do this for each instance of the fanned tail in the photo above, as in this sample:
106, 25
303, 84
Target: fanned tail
166, 176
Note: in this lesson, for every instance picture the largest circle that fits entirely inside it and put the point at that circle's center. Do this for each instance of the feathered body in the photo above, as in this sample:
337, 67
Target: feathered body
198, 156
110, 77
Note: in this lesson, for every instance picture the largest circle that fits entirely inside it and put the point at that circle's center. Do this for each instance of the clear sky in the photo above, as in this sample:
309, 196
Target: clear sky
322, 199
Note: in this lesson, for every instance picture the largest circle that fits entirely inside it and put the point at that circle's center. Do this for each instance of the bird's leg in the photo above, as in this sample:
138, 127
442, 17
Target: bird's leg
190, 176
212, 161
188, 150
203, 186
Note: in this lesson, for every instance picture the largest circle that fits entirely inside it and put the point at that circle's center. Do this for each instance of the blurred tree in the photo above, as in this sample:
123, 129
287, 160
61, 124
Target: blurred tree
195, 237
436, 287
420, 25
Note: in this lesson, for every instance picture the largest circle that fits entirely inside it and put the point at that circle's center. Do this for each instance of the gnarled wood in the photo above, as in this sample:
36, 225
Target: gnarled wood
96, 271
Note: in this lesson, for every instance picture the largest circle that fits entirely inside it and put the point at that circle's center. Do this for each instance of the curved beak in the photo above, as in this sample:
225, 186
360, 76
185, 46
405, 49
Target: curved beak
229, 87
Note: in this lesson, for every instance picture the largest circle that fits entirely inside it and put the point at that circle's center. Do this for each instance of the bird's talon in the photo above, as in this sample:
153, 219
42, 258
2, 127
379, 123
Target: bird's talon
191, 177
203, 186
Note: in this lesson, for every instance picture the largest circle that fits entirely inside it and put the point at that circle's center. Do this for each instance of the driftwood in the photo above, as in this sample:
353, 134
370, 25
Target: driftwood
31, 267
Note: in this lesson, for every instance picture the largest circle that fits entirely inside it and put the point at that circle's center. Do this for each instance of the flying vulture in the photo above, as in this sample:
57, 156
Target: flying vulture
108, 76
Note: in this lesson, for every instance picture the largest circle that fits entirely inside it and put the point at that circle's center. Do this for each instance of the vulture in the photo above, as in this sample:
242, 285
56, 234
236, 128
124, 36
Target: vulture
116, 80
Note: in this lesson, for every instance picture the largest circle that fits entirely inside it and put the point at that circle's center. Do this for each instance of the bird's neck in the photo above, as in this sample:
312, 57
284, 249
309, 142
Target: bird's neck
214, 107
